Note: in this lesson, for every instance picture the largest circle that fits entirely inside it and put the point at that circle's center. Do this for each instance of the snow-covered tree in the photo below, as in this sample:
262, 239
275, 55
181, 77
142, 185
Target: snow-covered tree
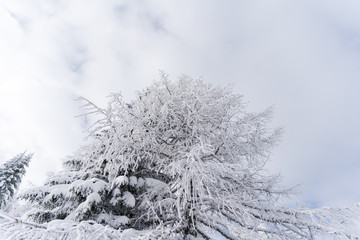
11, 174
182, 160
91, 189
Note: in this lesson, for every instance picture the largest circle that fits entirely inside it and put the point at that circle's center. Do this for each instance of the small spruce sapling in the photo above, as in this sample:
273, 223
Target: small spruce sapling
11, 174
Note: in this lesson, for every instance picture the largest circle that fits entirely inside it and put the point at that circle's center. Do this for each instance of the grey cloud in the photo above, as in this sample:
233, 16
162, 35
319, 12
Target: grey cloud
20, 20
121, 10
301, 56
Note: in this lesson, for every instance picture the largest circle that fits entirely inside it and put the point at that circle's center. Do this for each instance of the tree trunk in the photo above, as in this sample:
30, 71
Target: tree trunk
189, 215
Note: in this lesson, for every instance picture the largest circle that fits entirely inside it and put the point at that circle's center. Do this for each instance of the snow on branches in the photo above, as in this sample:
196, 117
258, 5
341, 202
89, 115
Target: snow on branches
210, 154
11, 174
182, 160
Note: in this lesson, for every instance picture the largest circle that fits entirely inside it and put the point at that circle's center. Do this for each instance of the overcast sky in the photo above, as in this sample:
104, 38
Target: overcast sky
303, 57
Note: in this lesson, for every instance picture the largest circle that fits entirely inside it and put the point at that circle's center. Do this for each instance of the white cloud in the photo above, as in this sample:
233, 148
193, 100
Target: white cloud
301, 56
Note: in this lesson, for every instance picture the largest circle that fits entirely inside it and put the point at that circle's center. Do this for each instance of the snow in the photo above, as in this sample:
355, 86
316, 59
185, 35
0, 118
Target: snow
113, 220
93, 198
119, 181
61, 178
115, 200
154, 183
60, 229
140, 183
128, 199
81, 210
56, 192
133, 181
76, 183
116, 196
35, 193
61, 225
119, 221
116, 192
89, 186
209, 152
129, 234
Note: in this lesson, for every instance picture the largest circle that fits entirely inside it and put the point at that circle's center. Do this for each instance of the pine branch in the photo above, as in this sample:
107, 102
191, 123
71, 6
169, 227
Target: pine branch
19, 221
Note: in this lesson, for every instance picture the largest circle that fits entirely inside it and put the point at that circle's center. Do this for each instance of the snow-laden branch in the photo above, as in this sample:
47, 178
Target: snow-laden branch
183, 159
19, 221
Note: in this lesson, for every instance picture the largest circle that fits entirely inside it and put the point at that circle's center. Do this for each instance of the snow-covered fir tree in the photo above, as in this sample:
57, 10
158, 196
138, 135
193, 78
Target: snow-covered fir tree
183, 160
11, 173
88, 190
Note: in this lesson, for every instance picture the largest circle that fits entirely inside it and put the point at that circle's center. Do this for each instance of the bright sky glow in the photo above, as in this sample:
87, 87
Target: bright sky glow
301, 56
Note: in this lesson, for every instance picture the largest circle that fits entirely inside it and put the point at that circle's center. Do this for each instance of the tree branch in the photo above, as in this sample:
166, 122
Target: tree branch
16, 220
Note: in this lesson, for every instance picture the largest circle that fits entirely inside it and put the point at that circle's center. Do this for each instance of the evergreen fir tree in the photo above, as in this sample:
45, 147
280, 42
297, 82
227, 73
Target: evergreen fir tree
91, 189
11, 174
